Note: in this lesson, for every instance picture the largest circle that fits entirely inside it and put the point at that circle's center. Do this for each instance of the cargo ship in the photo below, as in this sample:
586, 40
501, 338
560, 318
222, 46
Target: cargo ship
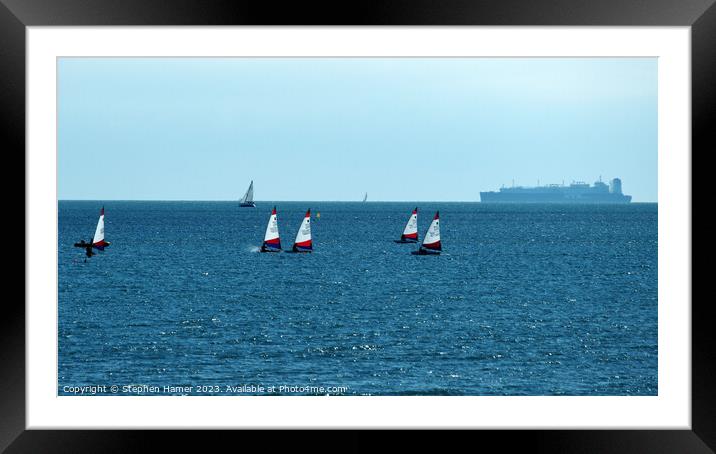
577, 192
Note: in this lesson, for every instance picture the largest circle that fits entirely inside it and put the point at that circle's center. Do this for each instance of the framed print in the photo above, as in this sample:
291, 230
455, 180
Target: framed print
405, 218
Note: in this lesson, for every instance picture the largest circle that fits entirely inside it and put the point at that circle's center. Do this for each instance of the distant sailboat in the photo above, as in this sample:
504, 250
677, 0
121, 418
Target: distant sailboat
365, 197
248, 199
303, 241
431, 242
410, 233
272, 241
98, 241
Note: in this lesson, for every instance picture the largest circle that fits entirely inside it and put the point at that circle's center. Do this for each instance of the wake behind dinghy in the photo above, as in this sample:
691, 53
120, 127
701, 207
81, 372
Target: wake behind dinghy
410, 233
304, 242
98, 241
272, 241
431, 242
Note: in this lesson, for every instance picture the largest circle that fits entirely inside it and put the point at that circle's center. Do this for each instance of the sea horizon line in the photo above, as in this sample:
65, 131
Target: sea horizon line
352, 201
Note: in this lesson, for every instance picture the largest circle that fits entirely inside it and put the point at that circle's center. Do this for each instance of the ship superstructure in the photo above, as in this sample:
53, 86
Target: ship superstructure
577, 192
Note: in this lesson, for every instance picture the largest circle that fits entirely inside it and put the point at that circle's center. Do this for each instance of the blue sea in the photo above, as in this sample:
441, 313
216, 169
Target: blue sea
524, 300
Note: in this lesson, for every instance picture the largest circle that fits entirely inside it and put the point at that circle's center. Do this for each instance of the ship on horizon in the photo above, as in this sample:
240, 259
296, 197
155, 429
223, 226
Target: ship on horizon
577, 192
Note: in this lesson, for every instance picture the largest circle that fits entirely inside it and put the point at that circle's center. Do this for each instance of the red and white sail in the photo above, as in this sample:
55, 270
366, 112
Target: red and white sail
98, 240
303, 241
272, 240
410, 233
431, 242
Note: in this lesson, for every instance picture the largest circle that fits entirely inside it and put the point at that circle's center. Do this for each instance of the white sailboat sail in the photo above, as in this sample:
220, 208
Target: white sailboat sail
248, 198
98, 239
431, 243
410, 233
272, 240
304, 242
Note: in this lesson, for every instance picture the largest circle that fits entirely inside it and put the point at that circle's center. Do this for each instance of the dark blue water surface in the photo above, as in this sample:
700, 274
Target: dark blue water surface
524, 300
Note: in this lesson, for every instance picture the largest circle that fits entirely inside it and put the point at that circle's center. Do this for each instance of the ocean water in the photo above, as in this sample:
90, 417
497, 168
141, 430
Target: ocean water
524, 300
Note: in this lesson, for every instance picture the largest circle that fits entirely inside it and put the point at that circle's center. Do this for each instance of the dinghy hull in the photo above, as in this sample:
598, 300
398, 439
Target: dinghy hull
425, 252
300, 250
101, 245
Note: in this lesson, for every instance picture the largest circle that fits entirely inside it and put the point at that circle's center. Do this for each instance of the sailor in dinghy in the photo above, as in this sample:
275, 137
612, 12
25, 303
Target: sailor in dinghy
304, 242
431, 244
98, 241
272, 241
410, 233
87, 247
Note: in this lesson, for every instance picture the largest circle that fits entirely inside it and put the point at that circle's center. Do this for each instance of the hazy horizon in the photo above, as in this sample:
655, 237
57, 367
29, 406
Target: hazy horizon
342, 201
401, 129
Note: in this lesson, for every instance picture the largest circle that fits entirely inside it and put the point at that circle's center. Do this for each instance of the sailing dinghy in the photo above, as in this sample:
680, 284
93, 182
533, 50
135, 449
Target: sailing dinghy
272, 242
98, 241
365, 197
410, 233
431, 242
248, 199
303, 241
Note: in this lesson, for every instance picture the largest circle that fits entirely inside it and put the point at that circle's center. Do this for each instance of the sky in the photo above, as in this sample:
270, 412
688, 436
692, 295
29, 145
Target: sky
319, 129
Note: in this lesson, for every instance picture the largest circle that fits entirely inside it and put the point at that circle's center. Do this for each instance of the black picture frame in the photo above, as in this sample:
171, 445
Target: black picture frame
16, 15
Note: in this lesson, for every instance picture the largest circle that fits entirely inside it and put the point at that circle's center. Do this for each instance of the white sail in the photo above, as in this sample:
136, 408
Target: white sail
303, 237
98, 239
411, 228
271, 237
99, 232
432, 237
249, 196
272, 227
